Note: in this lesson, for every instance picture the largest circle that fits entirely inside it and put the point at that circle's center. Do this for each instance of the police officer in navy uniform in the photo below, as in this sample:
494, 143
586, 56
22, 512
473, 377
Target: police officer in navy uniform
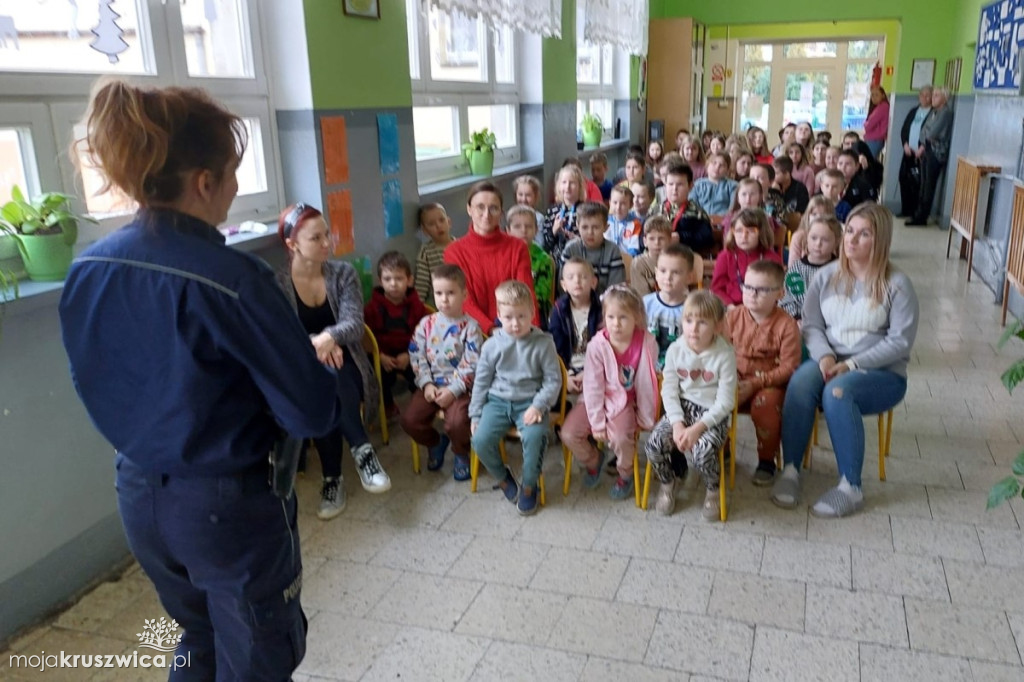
190, 362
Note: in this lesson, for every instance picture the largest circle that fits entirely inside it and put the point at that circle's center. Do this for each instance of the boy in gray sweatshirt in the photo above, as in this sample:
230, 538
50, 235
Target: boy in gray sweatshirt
517, 381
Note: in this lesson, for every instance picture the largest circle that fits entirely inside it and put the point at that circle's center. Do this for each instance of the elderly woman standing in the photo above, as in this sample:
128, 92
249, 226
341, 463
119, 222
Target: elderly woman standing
876, 126
910, 135
933, 152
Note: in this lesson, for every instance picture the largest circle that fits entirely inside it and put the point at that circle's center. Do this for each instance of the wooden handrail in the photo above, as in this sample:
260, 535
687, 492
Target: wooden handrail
964, 215
1015, 252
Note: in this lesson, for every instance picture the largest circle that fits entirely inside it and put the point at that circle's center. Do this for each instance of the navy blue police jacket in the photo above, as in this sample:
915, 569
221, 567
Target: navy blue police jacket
186, 354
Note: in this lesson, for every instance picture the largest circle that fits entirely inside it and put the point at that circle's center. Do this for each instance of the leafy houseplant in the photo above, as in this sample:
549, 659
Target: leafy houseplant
1014, 375
592, 129
45, 230
479, 151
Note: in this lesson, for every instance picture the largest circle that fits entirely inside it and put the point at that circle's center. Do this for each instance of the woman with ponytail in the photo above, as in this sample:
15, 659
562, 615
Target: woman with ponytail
190, 361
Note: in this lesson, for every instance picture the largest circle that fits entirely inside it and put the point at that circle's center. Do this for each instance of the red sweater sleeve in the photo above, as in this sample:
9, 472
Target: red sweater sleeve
721, 282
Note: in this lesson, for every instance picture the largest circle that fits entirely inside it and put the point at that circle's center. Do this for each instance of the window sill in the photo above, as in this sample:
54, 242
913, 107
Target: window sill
464, 182
608, 145
36, 295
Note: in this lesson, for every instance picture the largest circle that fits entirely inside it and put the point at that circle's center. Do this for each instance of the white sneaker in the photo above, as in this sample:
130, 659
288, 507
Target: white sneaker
665, 503
371, 473
332, 498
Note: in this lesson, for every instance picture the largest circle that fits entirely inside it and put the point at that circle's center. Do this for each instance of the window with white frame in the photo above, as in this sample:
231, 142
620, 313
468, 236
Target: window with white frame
595, 78
51, 51
463, 80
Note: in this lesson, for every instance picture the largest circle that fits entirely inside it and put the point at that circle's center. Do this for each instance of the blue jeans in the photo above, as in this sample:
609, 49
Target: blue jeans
497, 418
875, 146
844, 401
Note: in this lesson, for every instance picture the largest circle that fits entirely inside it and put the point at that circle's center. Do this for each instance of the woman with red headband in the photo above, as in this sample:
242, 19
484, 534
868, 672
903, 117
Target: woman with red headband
329, 301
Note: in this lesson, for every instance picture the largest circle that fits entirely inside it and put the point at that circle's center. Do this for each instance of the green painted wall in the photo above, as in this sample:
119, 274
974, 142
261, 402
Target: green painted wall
965, 40
927, 28
358, 63
559, 59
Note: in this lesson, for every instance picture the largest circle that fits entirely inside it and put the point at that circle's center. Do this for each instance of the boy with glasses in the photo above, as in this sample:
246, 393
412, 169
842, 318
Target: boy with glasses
767, 344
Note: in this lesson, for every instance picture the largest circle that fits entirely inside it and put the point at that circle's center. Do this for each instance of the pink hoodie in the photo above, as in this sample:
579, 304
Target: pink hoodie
604, 395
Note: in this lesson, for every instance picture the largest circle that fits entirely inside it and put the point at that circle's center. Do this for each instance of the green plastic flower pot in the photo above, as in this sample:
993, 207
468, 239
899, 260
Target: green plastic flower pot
482, 162
591, 138
47, 258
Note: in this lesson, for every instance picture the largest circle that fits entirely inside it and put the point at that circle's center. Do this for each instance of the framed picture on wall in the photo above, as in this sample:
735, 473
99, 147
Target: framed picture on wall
367, 9
922, 74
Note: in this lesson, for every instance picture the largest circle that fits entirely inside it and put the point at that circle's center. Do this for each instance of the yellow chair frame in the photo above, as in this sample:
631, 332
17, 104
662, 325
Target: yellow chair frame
884, 441
370, 345
723, 512
556, 418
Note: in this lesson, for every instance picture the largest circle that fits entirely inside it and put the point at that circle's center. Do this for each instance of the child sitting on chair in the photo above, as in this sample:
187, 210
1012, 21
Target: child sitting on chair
699, 392
443, 353
522, 224
575, 318
392, 314
518, 379
767, 344
620, 391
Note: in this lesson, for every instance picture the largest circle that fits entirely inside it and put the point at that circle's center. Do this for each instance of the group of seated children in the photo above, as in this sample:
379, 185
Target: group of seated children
626, 315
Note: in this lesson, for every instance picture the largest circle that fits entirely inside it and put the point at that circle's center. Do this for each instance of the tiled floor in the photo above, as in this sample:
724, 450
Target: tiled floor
431, 582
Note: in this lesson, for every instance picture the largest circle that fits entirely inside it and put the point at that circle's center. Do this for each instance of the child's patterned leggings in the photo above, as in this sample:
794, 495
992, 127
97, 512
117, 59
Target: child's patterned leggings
704, 454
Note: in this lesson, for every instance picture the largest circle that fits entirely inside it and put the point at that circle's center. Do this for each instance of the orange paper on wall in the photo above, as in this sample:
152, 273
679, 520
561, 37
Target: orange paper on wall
339, 211
334, 136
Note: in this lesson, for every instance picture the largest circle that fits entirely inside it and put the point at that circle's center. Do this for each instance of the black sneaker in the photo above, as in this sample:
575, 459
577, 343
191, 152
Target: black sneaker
764, 475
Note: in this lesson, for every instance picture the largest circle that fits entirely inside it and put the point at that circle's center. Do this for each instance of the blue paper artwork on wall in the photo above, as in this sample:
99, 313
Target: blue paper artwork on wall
392, 194
1000, 38
387, 142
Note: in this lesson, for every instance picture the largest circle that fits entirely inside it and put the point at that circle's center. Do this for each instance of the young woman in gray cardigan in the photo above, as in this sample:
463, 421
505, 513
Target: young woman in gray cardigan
859, 323
328, 299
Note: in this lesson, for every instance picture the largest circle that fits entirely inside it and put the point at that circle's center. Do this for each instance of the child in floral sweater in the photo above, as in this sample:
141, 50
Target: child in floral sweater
443, 352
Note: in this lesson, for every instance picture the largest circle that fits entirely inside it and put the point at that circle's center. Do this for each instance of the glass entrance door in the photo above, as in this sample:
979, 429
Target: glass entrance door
807, 97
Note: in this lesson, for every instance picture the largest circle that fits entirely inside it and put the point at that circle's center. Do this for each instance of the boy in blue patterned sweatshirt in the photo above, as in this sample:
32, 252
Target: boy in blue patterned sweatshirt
443, 353
625, 230
518, 379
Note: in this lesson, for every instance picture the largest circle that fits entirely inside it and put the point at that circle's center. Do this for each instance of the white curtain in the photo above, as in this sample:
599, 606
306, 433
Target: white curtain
622, 23
543, 17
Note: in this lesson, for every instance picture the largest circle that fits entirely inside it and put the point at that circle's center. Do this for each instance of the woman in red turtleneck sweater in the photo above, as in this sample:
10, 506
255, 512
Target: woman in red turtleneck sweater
488, 256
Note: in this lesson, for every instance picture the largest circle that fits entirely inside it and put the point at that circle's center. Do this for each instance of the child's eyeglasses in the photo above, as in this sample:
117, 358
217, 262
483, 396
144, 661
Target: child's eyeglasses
759, 291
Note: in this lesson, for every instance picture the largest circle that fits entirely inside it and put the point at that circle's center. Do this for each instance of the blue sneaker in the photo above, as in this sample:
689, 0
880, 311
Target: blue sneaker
592, 477
460, 470
527, 504
509, 487
623, 489
435, 457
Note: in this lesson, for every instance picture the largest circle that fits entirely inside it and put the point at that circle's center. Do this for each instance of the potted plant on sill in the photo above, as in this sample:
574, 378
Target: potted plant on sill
479, 151
1010, 486
45, 230
592, 129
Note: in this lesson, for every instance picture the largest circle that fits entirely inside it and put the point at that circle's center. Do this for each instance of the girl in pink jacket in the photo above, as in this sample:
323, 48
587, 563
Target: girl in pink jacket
620, 391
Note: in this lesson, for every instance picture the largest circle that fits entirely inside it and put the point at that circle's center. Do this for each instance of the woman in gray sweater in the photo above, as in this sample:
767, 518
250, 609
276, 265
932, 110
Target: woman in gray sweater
329, 302
859, 323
